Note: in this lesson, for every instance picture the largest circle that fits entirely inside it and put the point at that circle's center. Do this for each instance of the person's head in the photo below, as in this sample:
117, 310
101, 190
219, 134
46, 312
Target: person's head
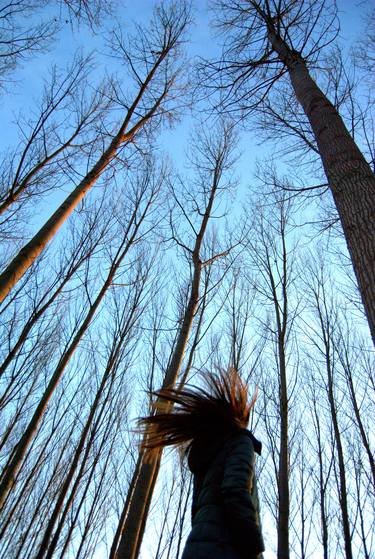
218, 408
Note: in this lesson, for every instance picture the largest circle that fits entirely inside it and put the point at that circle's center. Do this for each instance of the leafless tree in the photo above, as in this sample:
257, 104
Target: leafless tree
267, 40
212, 160
50, 142
146, 190
20, 38
153, 61
272, 258
327, 322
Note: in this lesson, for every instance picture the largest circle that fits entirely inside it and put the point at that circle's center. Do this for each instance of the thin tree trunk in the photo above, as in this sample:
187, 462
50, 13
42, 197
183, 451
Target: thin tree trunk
35, 317
322, 486
357, 413
343, 495
14, 465
281, 315
129, 495
47, 549
17, 189
283, 481
89, 516
342, 475
138, 506
350, 177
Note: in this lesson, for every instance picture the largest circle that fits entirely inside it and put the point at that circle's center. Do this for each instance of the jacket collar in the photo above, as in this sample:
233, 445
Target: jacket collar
256, 443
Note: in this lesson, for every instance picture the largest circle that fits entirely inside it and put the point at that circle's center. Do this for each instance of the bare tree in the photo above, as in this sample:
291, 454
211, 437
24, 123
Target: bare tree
272, 257
212, 160
351, 355
91, 12
84, 239
147, 188
26, 29
104, 397
152, 61
20, 38
266, 40
325, 464
325, 332
51, 141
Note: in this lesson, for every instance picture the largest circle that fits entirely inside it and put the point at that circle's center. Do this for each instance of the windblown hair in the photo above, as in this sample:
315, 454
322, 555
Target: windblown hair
222, 406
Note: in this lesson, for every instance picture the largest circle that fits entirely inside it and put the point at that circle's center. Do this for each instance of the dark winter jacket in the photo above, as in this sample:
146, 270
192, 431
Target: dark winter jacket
225, 508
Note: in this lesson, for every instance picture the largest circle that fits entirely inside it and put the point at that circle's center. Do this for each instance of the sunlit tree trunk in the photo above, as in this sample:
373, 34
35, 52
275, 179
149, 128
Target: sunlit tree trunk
215, 152
350, 177
129, 543
135, 119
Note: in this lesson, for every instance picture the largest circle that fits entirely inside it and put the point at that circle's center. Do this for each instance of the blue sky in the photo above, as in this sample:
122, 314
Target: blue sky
28, 83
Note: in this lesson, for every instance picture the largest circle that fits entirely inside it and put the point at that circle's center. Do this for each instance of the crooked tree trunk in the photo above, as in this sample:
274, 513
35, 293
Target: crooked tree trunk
350, 177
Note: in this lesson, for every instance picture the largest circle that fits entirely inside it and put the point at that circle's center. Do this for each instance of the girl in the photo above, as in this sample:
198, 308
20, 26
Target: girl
221, 456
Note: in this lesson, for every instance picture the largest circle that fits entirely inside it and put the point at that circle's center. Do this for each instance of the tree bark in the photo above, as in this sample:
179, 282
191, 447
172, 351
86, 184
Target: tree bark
351, 180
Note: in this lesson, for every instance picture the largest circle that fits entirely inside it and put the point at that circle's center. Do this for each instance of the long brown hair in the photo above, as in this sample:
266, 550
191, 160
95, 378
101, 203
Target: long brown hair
222, 405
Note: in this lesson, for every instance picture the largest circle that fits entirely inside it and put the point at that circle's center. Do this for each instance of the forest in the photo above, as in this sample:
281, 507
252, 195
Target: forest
185, 187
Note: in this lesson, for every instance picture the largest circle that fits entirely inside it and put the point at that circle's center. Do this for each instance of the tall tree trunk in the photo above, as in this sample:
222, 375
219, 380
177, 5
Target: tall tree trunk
97, 409
350, 177
323, 480
283, 481
47, 548
343, 496
216, 152
345, 361
326, 333
280, 303
129, 495
132, 529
